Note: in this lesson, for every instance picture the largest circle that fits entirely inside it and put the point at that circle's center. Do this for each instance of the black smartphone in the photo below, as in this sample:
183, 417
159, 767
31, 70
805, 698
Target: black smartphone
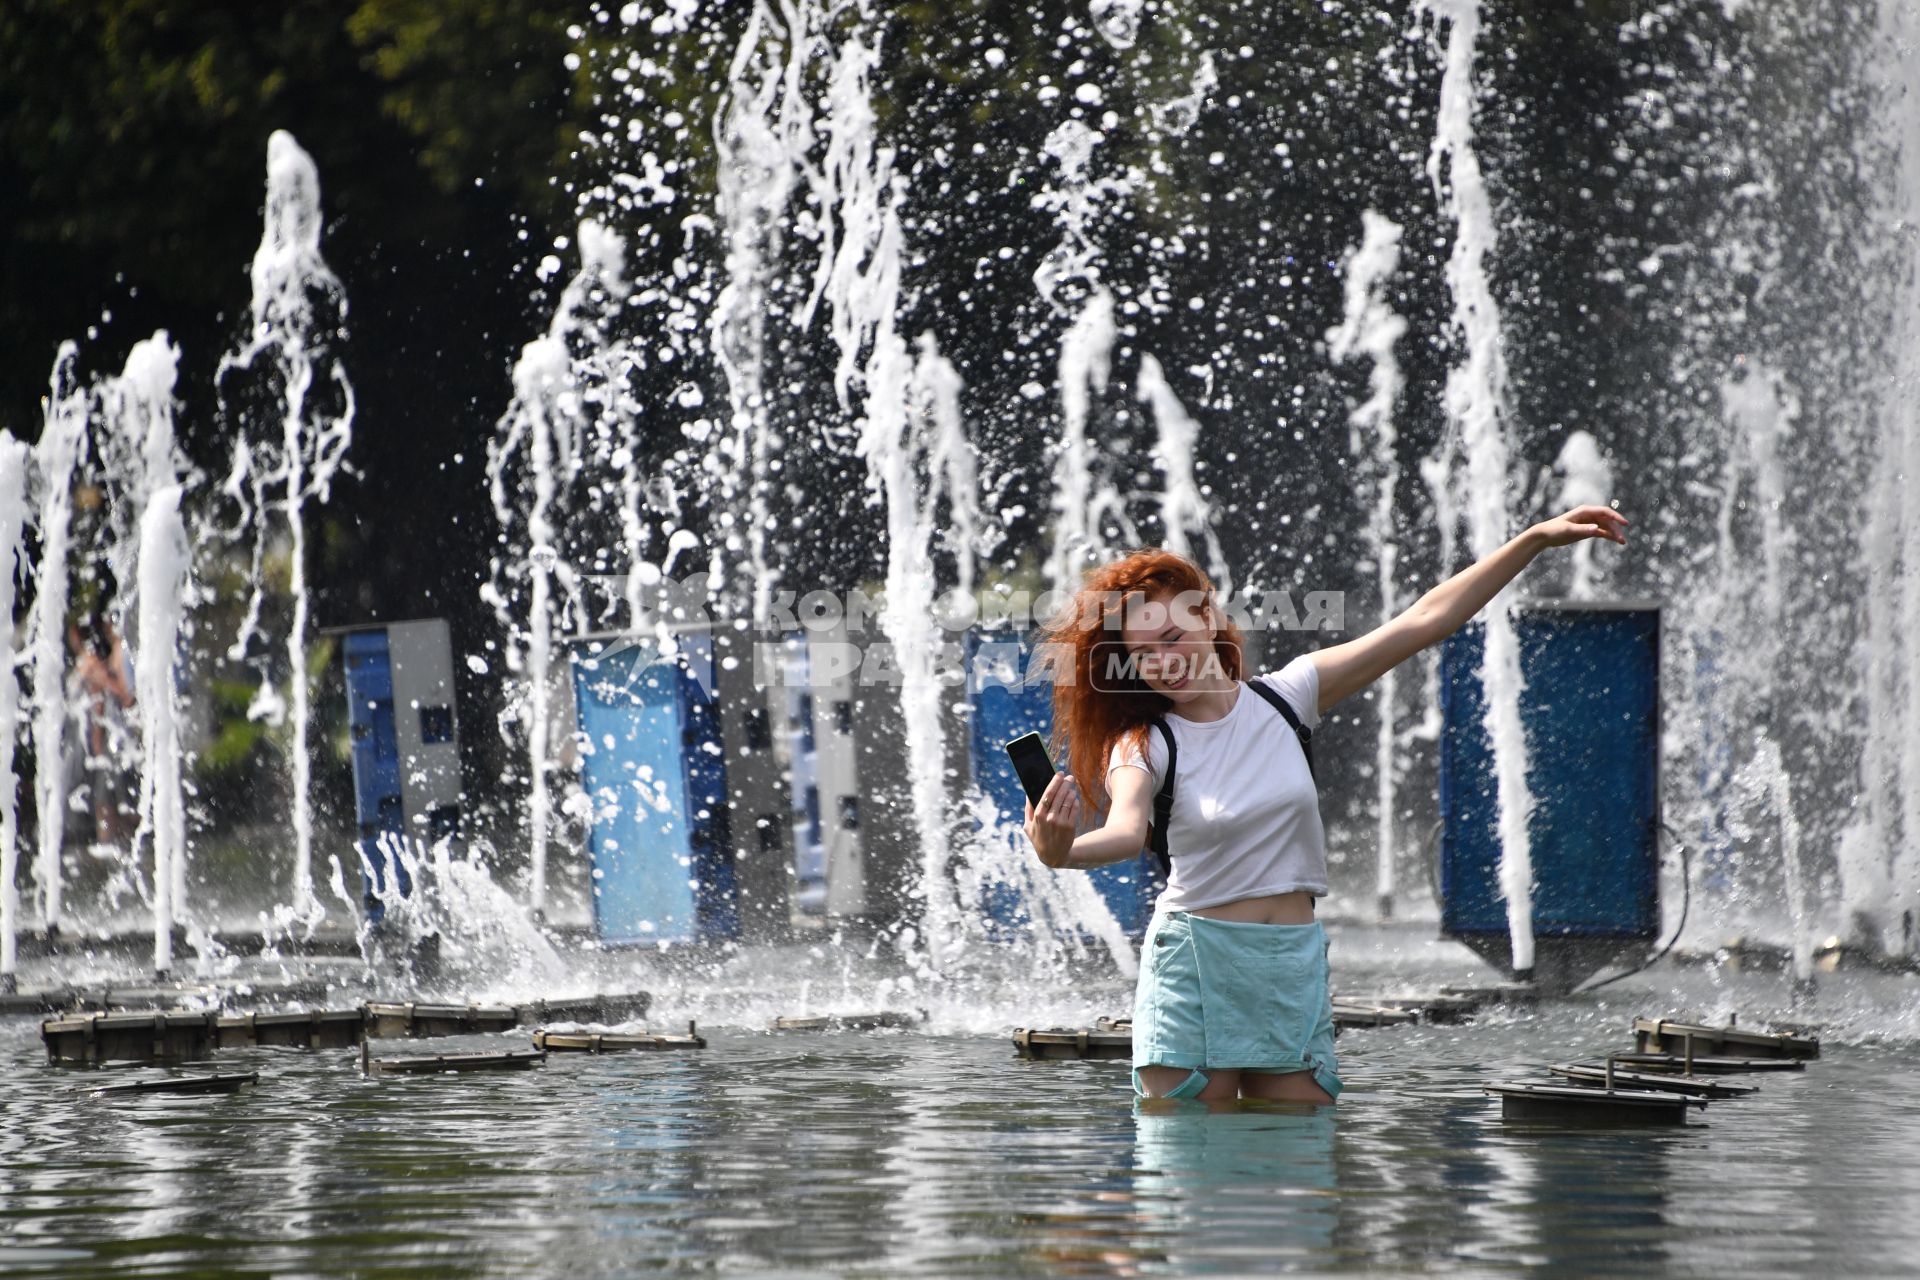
1032, 763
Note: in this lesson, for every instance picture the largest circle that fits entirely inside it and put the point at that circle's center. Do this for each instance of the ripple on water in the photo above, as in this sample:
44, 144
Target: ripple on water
905, 1152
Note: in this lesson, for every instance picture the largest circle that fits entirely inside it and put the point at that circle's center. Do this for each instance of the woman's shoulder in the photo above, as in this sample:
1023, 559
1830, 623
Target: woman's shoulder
1299, 683
1141, 746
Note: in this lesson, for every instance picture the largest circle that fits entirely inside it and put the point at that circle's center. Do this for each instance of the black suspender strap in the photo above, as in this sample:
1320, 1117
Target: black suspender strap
1163, 798
1163, 801
1285, 709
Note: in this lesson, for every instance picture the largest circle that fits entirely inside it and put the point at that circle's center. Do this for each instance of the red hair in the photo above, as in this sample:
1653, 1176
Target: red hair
1087, 721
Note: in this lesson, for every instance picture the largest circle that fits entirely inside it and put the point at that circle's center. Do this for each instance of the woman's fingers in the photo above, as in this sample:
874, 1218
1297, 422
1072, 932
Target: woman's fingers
1059, 793
1605, 521
1612, 529
1588, 522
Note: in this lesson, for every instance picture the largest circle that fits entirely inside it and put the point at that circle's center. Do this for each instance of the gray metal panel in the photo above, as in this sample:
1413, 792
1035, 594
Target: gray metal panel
422, 659
889, 844
837, 773
761, 808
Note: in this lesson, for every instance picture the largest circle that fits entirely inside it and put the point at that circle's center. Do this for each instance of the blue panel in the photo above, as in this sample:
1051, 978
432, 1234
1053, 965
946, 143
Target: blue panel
710, 820
659, 844
1005, 706
1591, 708
375, 749
375, 752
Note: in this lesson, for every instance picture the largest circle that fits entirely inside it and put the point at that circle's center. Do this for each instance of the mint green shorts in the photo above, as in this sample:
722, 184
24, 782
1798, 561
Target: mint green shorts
1225, 995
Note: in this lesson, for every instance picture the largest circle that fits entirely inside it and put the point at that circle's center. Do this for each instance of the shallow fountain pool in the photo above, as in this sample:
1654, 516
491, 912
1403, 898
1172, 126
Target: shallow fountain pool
941, 1153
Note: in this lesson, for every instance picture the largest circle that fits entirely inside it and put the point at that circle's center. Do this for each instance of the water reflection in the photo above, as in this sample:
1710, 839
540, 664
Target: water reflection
901, 1154
1569, 1201
1237, 1188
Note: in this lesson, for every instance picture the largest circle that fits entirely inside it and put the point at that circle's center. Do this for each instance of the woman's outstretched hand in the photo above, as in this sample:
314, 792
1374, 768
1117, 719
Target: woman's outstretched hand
1052, 825
1582, 523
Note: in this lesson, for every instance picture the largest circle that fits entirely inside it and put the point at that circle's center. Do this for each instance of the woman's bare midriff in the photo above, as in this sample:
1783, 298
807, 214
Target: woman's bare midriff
1274, 908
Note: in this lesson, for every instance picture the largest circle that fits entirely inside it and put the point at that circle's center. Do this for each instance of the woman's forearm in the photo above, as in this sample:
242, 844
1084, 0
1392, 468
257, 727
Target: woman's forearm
1345, 669
1448, 607
1103, 847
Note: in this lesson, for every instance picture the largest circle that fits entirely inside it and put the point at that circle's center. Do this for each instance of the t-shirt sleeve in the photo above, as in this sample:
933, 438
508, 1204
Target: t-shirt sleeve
1125, 755
1299, 683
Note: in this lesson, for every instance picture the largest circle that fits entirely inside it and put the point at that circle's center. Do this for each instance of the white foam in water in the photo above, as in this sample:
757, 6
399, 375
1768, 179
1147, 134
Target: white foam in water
296, 306
14, 455
163, 574
62, 438
1371, 328
489, 946
1476, 401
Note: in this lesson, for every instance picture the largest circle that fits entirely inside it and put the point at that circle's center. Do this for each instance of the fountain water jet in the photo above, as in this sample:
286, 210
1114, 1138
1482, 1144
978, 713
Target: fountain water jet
1371, 328
1069, 280
758, 151
569, 409
1879, 862
14, 457
1182, 504
1476, 402
163, 575
298, 311
133, 435
1587, 480
62, 440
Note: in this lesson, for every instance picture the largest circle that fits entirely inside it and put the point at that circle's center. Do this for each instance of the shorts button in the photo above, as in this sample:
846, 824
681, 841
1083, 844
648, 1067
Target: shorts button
1162, 940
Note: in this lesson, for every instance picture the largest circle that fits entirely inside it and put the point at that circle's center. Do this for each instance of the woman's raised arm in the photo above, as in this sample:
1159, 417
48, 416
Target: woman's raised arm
1348, 668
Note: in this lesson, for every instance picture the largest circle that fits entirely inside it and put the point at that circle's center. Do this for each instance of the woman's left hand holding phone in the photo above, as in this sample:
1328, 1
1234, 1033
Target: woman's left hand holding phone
1054, 822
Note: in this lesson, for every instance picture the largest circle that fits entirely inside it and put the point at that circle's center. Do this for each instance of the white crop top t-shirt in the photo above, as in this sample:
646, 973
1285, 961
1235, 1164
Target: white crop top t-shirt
1246, 817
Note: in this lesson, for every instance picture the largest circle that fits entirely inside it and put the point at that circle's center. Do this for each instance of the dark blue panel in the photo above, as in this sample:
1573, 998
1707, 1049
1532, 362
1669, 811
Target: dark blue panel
1005, 706
375, 748
711, 821
1591, 708
375, 752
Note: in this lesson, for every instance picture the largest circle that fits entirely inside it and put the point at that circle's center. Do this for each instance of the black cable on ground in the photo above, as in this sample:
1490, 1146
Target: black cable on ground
1686, 902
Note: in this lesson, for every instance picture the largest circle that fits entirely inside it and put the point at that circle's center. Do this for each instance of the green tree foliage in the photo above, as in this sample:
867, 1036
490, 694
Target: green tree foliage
133, 141
462, 77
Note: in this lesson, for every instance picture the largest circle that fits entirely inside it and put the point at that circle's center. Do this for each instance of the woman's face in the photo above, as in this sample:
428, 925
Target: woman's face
1169, 642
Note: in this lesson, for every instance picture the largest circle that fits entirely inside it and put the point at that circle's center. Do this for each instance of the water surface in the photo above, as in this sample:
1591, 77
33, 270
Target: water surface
942, 1154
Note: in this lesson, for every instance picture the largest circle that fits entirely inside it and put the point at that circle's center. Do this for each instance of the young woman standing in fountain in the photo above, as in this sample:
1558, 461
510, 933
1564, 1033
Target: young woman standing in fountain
1232, 999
